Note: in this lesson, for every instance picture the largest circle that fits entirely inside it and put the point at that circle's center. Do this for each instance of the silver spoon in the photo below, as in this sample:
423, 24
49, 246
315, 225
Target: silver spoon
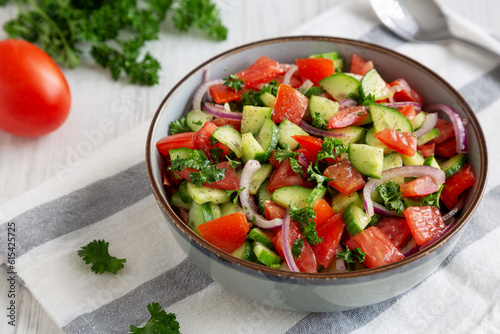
424, 21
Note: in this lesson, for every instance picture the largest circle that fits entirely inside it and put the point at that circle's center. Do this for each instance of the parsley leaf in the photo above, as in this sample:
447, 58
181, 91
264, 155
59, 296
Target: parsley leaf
429, 200
315, 90
272, 88
234, 83
331, 148
236, 194
296, 167
305, 217
362, 99
352, 257
207, 172
316, 175
178, 126
234, 163
159, 322
201, 14
96, 253
318, 121
297, 247
392, 196
282, 154
252, 98
215, 153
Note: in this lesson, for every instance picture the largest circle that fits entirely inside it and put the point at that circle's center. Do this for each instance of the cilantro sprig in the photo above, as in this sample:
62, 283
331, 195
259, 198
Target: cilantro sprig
352, 257
234, 83
305, 217
207, 173
282, 154
96, 253
331, 148
178, 126
159, 322
392, 196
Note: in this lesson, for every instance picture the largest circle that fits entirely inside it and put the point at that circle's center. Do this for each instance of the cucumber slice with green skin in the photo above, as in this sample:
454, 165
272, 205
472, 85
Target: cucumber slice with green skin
385, 117
251, 149
340, 85
424, 139
355, 219
179, 153
196, 118
326, 108
318, 192
262, 196
265, 237
216, 211
418, 120
287, 130
229, 136
259, 177
245, 252
350, 134
203, 194
368, 160
253, 118
266, 256
178, 202
229, 208
431, 161
416, 160
453, 164
371, 140
296, 195
373, 84
393, 160
328, 55
340, 202
268, 99
268, 137
199, 214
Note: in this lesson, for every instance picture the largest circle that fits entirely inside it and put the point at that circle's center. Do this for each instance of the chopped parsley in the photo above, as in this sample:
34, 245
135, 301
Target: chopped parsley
159, 322
178, 126
207, 173
305, 218
316, 175
236, 194
352, 257
271, 87
234, 163
318, 121
252, 98
315, 90
97, 254
392, 196
362, 99
296, 167
282, 154
234, 83
331, 148
297, 247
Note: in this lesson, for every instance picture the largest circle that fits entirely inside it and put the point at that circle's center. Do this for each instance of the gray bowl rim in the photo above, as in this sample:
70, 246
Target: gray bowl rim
318, 278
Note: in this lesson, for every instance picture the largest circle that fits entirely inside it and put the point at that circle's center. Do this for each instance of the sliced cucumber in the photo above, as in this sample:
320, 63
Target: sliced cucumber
418, 120
416, 160
373, 84
355, 219
203, 194
196, 118
350, 134
328, 55
199, 214
262, 196
385, 117
216, 211
371, 140
245, 252
296, 195
368, 160
318, 192
178, 202
340, 85
183, 193
259, 177
453, 164
180, 153
265, 255
427, 137
253, 118
340, 202
251, 149
431, 161
287, 130
268, 137
268, 99
262, 236
229, 208
393, 160
229, 136
326, 108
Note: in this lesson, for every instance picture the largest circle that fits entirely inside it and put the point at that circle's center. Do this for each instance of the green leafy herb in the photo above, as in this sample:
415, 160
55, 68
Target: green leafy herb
234, 163
374, 221
96, 253
352, 257
305, 217
272, 88
362, 99
282, 154
318, 121
207, 173
178, 126
331, 148
113, 31
297, 247
215, 153
296, 167
235, 193
234, 83
315, 90
159, 322
252, 98
316, 175
429, 200
392, 196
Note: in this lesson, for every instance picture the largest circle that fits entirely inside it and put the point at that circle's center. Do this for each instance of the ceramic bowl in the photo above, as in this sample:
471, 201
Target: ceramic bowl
324, 292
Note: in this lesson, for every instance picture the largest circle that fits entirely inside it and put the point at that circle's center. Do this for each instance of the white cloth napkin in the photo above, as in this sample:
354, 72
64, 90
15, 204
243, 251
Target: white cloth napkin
108, 197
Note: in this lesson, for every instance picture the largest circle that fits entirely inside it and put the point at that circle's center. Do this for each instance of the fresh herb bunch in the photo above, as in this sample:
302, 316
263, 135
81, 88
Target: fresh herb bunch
234, 83
115, 31
159, 322
96, 253
351, 257
305, 217
252, 97
207, 173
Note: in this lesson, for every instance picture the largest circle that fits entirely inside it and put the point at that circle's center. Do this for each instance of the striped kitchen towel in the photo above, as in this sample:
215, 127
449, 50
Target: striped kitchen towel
109, 197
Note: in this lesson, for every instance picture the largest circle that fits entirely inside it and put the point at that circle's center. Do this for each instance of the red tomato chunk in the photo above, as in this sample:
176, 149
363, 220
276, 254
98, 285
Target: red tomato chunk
226, 233
425, 222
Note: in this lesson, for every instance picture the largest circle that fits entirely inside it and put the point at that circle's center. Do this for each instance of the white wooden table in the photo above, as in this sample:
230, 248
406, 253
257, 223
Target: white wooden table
25, 163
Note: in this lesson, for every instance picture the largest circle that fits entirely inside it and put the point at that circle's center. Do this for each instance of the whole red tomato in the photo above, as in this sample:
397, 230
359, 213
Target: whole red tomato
34, 96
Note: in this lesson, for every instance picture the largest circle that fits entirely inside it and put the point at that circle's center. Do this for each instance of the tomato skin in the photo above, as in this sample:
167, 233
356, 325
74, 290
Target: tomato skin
377, 246
359, 65
425, 222
446, 131
447, 148
323, 212
263, 70
396, 229
226, 233
427, 149
222, 94
35, 97
186, 139
346, 178
230, 181
284, 176
408, 111
406, 94
419, 187
273, 210
331, 233
347, 116
402, 142
290, 104
312, 145
456, 184
315, 69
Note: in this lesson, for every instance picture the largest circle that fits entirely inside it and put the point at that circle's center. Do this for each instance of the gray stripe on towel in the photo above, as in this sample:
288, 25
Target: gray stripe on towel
483, 91
78, 209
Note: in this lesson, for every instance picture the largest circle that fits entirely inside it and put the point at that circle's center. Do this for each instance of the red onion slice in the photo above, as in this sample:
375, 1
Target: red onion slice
287, 250
416, 105
303, 161
289, 74
429, 124
322, 133
393, 173
383, 211
247, 200
455, 209
410, 248
305, 86
458, 124
201, 90
348, 103
220, 111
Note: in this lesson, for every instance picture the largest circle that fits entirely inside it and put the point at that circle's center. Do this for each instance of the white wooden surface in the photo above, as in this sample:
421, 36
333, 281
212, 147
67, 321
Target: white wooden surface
25, 163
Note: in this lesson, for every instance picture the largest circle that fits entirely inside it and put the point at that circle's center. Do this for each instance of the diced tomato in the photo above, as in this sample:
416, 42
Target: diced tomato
284, 176
331, 233
425, 222
311, 144
359, 65
223, 121
222, 94
377, 246
456, 184
295, 80
406, 93
203, 140
402, 142
290, 104
427, 150
273, 161
446, 132
273, 210
230, 181
419, 187
346, 178
315, 69
323, 212
186, 139
263, 70
311, 156
227, 232
347, 116
306, 262
408, 111
396, 229
447, 148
